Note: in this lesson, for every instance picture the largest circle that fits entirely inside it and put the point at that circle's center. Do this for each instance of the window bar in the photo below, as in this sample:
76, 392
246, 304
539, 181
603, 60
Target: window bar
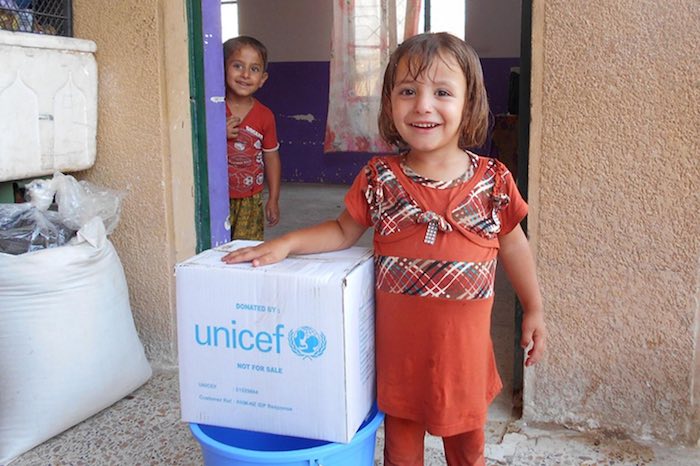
391, 16
69, 18
427, 16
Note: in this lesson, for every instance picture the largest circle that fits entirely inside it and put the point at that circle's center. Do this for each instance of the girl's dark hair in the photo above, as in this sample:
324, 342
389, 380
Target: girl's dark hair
231, 45
420, 52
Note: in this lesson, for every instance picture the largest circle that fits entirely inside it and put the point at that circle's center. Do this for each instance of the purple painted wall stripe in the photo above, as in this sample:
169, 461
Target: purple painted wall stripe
216, 120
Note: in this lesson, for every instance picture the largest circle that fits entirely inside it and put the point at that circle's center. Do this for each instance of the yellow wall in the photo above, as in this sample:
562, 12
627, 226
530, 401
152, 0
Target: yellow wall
144, 147
614, 185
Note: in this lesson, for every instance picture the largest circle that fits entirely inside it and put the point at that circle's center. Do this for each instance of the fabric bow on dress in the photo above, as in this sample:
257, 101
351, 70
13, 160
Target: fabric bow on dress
435, 222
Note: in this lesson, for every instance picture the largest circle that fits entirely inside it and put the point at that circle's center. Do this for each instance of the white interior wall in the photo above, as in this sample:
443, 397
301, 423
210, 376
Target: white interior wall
493, 27
300, 30
292, 30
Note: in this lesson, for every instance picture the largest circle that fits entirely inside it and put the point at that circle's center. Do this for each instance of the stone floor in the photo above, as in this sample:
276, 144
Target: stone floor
145, 428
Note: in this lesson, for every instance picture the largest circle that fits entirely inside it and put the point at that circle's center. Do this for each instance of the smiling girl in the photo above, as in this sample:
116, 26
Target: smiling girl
442, 217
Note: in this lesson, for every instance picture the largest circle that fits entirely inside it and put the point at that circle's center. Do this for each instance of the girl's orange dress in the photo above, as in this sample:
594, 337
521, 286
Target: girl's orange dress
435, 248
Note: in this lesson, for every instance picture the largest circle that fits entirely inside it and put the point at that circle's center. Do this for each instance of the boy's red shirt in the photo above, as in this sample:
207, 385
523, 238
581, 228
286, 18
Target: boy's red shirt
257, 133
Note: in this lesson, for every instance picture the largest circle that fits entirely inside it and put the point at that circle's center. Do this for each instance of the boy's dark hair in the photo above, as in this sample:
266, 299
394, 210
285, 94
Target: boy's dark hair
231, 45
421, 51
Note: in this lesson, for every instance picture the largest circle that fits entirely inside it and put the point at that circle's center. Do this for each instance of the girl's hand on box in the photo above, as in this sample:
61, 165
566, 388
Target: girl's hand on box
331, 235
266, 253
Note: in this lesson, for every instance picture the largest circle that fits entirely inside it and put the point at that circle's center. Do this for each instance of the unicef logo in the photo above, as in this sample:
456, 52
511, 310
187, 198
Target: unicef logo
307, 342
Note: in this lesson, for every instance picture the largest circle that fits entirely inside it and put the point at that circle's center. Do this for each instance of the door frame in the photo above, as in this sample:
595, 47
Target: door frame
209, 126
207, 104
523, 175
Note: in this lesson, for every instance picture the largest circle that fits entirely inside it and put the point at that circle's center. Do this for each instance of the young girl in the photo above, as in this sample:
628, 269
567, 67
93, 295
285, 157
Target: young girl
441, 217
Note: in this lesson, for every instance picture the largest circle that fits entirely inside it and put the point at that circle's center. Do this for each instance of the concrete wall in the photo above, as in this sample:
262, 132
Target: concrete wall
144, 147
614, 190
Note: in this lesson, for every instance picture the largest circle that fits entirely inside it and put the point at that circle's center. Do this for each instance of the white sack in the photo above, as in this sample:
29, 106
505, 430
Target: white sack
68, 345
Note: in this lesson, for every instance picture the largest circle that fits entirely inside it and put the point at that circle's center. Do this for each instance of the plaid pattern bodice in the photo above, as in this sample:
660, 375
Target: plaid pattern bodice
392, 207
395, 208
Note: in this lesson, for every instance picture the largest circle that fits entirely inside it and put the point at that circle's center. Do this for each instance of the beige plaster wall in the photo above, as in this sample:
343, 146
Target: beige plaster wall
614, 185
144, 148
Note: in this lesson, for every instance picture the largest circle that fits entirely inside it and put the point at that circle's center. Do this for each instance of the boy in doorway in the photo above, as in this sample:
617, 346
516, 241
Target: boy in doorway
252, 146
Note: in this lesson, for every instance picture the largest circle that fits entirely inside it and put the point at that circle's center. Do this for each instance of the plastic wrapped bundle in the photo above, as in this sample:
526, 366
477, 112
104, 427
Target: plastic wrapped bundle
24, 228
32, 226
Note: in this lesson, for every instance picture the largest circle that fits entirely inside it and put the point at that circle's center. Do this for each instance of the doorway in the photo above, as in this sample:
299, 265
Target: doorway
208, 114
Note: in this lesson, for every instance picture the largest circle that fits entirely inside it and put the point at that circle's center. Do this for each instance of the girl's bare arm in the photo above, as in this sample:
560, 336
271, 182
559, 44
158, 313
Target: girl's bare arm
517, 260
332, 235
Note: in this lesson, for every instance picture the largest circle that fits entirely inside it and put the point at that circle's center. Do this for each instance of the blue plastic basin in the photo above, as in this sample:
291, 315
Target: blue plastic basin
222, 446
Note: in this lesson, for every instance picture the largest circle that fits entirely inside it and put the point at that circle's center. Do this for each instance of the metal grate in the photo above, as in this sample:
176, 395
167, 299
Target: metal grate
52, 17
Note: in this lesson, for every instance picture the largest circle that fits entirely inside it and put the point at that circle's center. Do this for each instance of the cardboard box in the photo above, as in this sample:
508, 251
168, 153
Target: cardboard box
284, 349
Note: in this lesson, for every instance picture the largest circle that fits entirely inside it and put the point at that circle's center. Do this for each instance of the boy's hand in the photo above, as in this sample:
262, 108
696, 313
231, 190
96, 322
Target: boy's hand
266, 253
232, 123
534, 337
272, 213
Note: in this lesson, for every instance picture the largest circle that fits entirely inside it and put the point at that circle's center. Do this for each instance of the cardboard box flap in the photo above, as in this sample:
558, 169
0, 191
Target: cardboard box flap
324, 266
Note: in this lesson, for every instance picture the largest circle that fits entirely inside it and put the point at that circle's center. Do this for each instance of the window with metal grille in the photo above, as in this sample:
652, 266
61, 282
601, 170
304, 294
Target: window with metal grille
52, 17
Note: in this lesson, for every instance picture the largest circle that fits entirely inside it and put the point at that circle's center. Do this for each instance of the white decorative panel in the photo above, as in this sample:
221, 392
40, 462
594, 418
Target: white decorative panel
48, 105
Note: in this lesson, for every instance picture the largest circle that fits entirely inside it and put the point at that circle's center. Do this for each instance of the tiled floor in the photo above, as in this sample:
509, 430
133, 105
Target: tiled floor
145, 428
